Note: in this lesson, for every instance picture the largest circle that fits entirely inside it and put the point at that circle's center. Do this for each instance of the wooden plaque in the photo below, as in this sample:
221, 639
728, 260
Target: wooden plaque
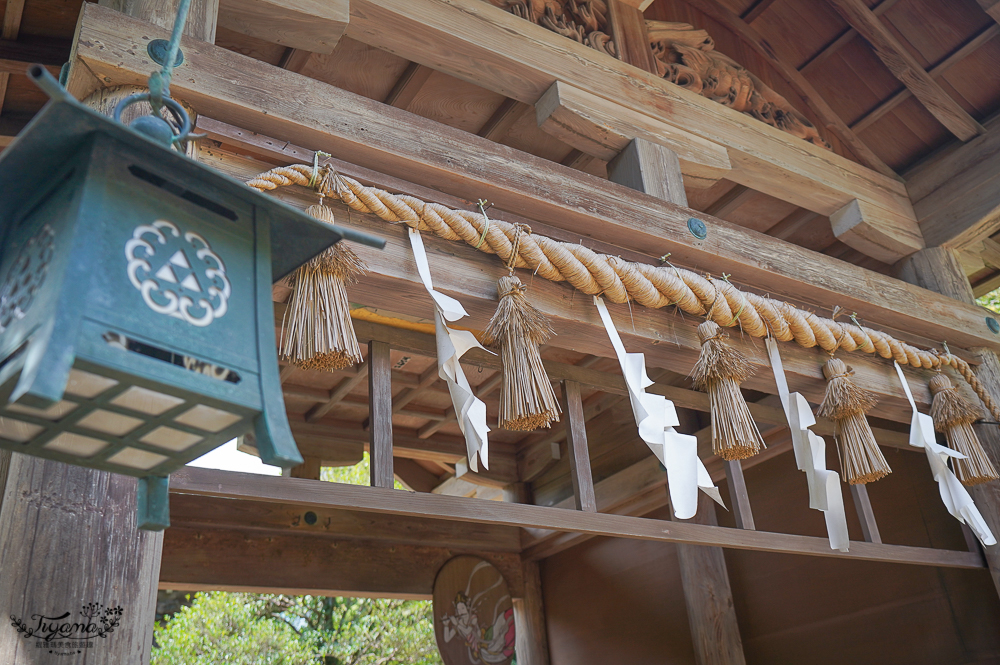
473, 613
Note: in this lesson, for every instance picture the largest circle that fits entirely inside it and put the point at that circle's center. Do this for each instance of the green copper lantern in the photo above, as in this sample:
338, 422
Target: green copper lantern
136, 322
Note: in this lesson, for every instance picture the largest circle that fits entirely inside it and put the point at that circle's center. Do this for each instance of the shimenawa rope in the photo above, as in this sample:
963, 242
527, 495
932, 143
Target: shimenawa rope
619, 280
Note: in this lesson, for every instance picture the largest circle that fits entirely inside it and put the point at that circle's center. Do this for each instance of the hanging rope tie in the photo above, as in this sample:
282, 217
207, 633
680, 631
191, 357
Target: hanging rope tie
516, 330
719, 371
621, 281
954, 416
846, 404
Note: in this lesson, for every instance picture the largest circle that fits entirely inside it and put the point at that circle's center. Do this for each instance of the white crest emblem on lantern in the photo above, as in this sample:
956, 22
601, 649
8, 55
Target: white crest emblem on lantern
178, 275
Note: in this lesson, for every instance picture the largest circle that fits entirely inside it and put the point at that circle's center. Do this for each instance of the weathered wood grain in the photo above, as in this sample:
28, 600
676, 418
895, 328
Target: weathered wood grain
207, 482
68, 537
380, 414
309, 25
576, 442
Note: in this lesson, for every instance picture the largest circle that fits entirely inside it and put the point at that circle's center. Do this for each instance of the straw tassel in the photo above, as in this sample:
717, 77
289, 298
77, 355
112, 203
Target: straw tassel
527, 400
846, 404
719, 371
317, 332
954, 416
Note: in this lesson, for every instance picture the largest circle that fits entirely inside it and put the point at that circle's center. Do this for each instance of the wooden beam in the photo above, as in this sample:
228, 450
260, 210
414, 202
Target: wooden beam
792, 223
842, 39
830, 119
876, 114
295, 59
955, 195
905, 67
309, 25
201, 21
300, 563
516, 58
715, 632
576, 442
730, 201
365, 130
739, 498
408, 85
267, 518
413, 476
628, 29
380, 414
858, 226
590, 124
863, 506
991, 7
209, 482
29, 49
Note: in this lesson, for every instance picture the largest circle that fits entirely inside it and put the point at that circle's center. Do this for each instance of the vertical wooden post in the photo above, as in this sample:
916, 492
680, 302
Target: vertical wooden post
715, 633
68, 537
869, 528
531, 635
628, 29
938, 269
380, 414
576, 442
738, 495
309, 469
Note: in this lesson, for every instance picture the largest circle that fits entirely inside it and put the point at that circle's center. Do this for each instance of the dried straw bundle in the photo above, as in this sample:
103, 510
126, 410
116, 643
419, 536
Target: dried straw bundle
846, 404
954, 416
316, 332
527, 400
719, 371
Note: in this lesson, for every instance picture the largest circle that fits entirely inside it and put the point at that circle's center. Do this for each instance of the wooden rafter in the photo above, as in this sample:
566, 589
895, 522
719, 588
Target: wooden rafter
905, 67
842, 39
803, 87
11, 27
408, 85
498, 124
756, 10
937, 70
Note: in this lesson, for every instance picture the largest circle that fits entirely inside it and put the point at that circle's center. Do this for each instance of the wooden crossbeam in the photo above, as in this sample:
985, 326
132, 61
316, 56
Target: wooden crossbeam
318, 494
905, 67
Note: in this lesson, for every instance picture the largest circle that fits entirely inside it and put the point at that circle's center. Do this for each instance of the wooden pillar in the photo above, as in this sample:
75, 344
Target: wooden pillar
380, 414
715, 633
531, 633
938, 269
309, 469
579, 453
628, 29
862, 504
68, 537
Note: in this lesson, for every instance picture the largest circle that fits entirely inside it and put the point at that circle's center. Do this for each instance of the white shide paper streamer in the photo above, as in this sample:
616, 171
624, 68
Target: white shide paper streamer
825, 493
656, 418
451, 346
953, 493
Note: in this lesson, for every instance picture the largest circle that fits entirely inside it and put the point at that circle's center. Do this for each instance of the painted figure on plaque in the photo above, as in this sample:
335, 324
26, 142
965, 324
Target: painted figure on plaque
477, 625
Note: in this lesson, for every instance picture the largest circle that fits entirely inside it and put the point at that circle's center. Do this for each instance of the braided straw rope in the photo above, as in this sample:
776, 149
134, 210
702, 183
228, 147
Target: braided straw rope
616, 279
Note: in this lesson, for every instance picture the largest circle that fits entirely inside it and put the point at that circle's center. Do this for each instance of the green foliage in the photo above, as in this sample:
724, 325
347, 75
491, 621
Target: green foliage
991, 300
227, 628
265, 629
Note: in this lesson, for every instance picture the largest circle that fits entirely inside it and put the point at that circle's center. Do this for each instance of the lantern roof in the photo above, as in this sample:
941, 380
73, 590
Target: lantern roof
64, 126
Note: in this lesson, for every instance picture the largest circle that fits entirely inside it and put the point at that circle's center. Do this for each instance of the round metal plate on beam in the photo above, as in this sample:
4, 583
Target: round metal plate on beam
158, 49
697, 228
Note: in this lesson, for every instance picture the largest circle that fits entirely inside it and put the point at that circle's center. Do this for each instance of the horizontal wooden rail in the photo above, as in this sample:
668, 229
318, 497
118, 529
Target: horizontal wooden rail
324, 495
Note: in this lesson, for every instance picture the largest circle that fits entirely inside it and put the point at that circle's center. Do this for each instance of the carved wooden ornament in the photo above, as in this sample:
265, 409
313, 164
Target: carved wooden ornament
473, 613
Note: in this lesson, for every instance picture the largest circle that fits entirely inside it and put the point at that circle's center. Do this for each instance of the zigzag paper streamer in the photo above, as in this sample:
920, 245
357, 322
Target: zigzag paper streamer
451, 346
656, 419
